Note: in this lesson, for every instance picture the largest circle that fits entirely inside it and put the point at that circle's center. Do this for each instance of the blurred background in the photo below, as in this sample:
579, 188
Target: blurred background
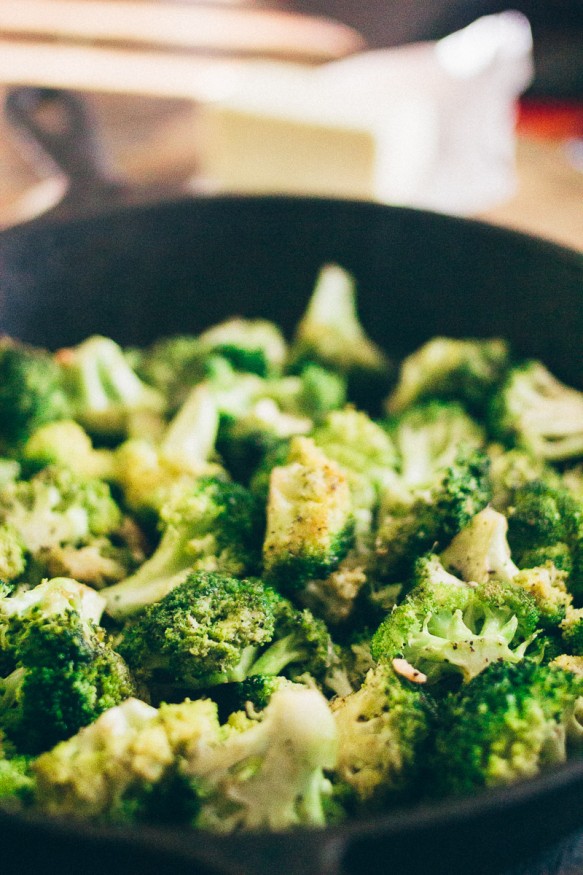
472, 107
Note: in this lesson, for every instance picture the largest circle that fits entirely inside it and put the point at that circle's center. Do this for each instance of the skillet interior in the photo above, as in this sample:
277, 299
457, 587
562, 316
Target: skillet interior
145, 272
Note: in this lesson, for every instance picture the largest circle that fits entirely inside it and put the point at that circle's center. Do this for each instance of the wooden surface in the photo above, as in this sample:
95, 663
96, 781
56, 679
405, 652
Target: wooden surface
156, 140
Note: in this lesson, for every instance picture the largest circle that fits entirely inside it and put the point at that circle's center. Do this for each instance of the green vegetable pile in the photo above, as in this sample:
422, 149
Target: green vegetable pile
233, 599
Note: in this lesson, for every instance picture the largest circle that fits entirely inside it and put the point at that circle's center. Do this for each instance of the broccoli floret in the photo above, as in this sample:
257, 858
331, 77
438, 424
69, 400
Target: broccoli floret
331, 334
365, 453
537, 412
547, 585
173, 365
244, 442
508, 724
98, 564
546, 524
445, 626
572, 630
320, 390
214, 629
334, 597
211, 526
382, 728
480, 551
426, 519
66, 671
16, 782
310, 525
466, 371
66, 444
573, 480
253, 345
269, 773
428, 437
57, 507
510, 470
124, 766
106, 395
31, 392
205, 632
12, 555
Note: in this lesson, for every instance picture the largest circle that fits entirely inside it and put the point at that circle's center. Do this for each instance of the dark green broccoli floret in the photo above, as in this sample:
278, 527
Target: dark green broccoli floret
426, 519
213, 525
66, 675
545, 523
467, 371
106, 395
537, 412
31, 392
510, 723
382, 728
310, 525
446, 626
214, 629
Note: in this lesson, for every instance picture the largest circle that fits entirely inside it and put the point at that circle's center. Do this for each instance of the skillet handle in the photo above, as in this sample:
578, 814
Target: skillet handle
59, 124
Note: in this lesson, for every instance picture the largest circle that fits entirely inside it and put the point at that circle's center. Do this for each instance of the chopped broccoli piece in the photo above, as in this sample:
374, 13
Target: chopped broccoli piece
480, 551
214, 629
430, 518
253, 345
467, 371
270, 772
331, 334
508, 724
428, 437
12, 555
66, 444
211, 526
510, 470
173, 365
334, 597
546, 524
547, 585
31, 392
98, 564
58, 507
16, 783
66, 671
310, 525
106, 395
382, 728
124, 766
446, 626
537, 412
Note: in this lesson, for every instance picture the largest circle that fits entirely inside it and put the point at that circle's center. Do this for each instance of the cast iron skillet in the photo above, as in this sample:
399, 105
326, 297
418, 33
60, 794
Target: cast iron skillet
141, 272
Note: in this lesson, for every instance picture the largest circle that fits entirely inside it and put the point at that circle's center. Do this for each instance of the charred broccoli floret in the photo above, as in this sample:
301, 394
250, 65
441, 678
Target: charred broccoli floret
537, 412
310, 524
382, 728
510, 723
467, 371
445, 626
211, 526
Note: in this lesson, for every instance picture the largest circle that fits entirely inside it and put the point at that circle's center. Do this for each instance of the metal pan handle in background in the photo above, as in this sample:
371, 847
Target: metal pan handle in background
59, 125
